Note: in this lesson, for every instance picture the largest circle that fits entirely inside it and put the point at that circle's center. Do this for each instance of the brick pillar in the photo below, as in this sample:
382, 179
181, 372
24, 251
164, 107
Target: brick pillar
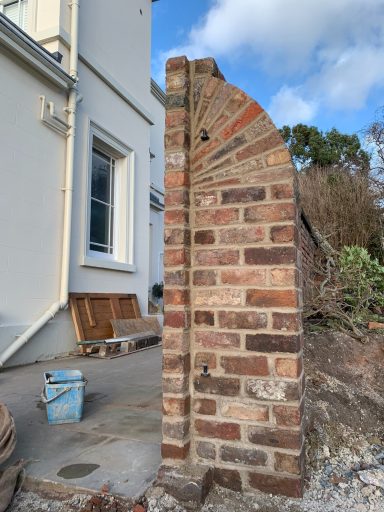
232, 287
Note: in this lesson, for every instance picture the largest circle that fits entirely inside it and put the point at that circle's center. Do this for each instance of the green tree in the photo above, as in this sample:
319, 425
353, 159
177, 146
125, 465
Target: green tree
310, 147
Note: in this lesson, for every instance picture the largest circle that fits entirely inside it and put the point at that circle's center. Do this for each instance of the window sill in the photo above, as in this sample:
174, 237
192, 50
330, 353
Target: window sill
107, 264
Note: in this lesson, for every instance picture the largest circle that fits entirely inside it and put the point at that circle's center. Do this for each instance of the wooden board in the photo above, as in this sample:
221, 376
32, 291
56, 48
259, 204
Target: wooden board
92, 313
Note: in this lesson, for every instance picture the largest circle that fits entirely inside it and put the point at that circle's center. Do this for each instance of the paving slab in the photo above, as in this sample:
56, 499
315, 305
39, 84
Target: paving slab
118, 440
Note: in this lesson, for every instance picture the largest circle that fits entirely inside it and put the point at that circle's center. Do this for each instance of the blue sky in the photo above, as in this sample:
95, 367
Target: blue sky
319, 62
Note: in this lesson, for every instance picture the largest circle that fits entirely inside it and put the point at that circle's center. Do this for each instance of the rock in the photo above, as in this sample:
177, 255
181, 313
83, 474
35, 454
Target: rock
372, 477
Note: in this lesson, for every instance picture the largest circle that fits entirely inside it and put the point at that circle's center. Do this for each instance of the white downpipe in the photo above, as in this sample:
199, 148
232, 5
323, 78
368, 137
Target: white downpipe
68, 193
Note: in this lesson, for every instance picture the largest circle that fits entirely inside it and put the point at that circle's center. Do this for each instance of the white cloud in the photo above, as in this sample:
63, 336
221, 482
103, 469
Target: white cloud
288, 107
334, 48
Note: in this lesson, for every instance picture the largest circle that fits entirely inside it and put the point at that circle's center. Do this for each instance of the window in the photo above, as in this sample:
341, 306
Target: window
16, 11
109, 241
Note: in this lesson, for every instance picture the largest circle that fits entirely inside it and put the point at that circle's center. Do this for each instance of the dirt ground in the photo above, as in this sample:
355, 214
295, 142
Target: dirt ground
344, 441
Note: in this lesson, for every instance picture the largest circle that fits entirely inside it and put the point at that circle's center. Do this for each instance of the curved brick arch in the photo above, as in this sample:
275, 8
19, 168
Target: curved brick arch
232, 292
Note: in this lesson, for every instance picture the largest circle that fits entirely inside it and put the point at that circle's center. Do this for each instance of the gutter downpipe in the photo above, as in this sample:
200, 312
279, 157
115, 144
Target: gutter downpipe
68, 193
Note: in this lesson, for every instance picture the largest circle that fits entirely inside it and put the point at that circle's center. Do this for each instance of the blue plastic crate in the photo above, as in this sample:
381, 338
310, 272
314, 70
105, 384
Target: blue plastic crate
63, 395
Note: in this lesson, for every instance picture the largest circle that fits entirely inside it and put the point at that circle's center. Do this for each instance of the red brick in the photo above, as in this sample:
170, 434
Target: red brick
288, 463
275, 437
242, 195
270, 255
254, 365
284, 277
292, 487
204, 318
245, 456
241, 235
204, 277
217, 385
177, 236
176, 198
176, 217
176, 179
176, 430
174, 257
177, 64
171, 451
177, 81
176, 319
288, 416
282, 191
273, 343
228, 431
244, 276
175, 384
206, 450
242, 320
175, 363
228, 478
245, 412
226, 150
276, 212
209, 339
205, 198
178, 341
202, 358
217, 257
220, 121
290, 368
177, 119
272, 298
204, 406
256, 148
205, 237
176, 278
279, 157
286, 321
207, 148
176, 139
176, 406
216, 216
281, 234
245, 118
176, 297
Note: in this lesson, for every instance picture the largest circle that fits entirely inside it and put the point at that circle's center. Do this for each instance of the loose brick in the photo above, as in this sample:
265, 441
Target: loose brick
246, 412
174, 257
227, 431
202, 358
176, 217
209, 339
171, 451
178, 341
242, 235
286, 321
254, 365
272, 343
204, 318
205, 198
245, 118
244, 276
217, 385
206, 450
288, 463
243, 195
260, 146
264, 436
271, 298
246, 456
176, 406
290, 368
204, 277
176, 278
274, 390
284, 277
175, 363
177, 430
270, 212
288, 416
176, 297
175, 384
282, 191
176, 179
205, 237
216, 216
242, 320
281, 234
228, 478
177, 319
291, 487
204, 406
217, 297
270, 255
217, 257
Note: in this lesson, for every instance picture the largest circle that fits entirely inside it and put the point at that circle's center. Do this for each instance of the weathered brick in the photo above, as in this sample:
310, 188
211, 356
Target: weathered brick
287, 463
282, 191
217, 257
246, 456
177, 81
176, 297
220, 121
216, 216
176, 406
237, 100
254, 365
177, 236
176, 278
281, 234
176, 217
205, 198
206, 450
217, 297
260, 146
227, 431
176, 179
260, 126
288, 416
207, 148
271, 298
204, 318
176, 430
286, 321
177, 64
173, 101
242, 320
290, 368
217, 385
178, 341
279, 157
284, 277
176, 198
245, 118
205, 237
276, 390
177, 160
175, 363
202, 358
275, 437
272, 343
245, 412
204, 406
242, 235
175, 384
270, 255
177, 319
171, 451
228, 478
204, 277
276, 212
177, 119
242, 195
228, 148
292, 487
244, 276
174, 257
209, 339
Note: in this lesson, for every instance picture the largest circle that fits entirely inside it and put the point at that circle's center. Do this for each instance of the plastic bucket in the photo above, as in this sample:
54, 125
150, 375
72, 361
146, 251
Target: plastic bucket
63, 394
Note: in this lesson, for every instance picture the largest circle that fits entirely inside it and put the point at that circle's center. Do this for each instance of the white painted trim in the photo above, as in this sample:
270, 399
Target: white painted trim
107, 264
108, 79
158, 92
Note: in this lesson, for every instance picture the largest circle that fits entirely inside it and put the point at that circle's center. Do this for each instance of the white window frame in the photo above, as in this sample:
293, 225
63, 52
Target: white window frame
22, 23
123, 225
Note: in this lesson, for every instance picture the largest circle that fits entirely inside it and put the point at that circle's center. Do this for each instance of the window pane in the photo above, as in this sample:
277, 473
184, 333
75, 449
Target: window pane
101, 177
99, 223
98, 248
